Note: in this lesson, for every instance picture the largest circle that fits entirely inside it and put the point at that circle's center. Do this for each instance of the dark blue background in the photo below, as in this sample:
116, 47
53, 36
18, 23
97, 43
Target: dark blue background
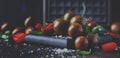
16, 11
115, 10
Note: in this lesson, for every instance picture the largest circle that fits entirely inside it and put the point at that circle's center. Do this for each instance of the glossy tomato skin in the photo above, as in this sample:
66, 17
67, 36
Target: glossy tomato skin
19, 37
92, 40
81, 42
38, 26
47, 29
92, 24
68, 16
109, 47
115, 27
75, 30
60, 26
76, 19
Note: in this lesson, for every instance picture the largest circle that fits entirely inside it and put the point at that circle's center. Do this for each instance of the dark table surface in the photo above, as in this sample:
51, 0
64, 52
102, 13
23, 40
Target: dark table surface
27, 50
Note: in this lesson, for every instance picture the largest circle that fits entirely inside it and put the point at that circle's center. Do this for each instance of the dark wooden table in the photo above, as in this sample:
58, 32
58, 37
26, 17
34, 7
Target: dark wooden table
26, 50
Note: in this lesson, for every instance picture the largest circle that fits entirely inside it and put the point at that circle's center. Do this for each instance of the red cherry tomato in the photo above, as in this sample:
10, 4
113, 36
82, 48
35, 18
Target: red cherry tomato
47, 29
114, 35
43, 28
19, 37
110, 46
38, 26
49, 26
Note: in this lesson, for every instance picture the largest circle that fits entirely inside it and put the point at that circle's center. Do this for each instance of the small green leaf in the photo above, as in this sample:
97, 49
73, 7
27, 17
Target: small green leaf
95, 30
36, 32
87, 29
101, 28
84, 52
6, 32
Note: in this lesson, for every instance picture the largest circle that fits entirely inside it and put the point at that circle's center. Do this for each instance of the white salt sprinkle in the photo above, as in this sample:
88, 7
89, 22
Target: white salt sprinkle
47, 55
31, 51
38, 49
24, 44
22, 52
65, 50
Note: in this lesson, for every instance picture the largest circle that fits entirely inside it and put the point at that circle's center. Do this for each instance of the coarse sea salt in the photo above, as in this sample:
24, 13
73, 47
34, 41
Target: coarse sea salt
31, 51
38, 49
65, 50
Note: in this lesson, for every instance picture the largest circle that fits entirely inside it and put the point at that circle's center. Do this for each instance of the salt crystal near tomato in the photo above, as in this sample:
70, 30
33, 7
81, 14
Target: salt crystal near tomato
110, 46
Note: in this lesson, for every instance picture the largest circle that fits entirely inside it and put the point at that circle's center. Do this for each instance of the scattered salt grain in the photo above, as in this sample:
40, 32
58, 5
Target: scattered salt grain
29, 45
47, 55
62, 56
42, 48
60, 36
22, 52
31, 51
9, 45
65, 50
41, 57
24, 44
74, 57
51, 55
38, 49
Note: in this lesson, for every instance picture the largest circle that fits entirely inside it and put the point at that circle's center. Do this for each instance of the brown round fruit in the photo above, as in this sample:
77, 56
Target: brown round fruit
92, 40
76, 19
81, 42
60, 26
75, 30
115, 27
68, 16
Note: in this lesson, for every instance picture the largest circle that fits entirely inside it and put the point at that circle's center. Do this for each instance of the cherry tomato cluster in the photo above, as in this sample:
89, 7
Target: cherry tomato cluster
18, 33
82, 30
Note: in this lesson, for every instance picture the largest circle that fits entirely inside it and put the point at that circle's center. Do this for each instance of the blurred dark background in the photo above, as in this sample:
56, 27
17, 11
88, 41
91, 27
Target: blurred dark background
15, 11
115, 10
